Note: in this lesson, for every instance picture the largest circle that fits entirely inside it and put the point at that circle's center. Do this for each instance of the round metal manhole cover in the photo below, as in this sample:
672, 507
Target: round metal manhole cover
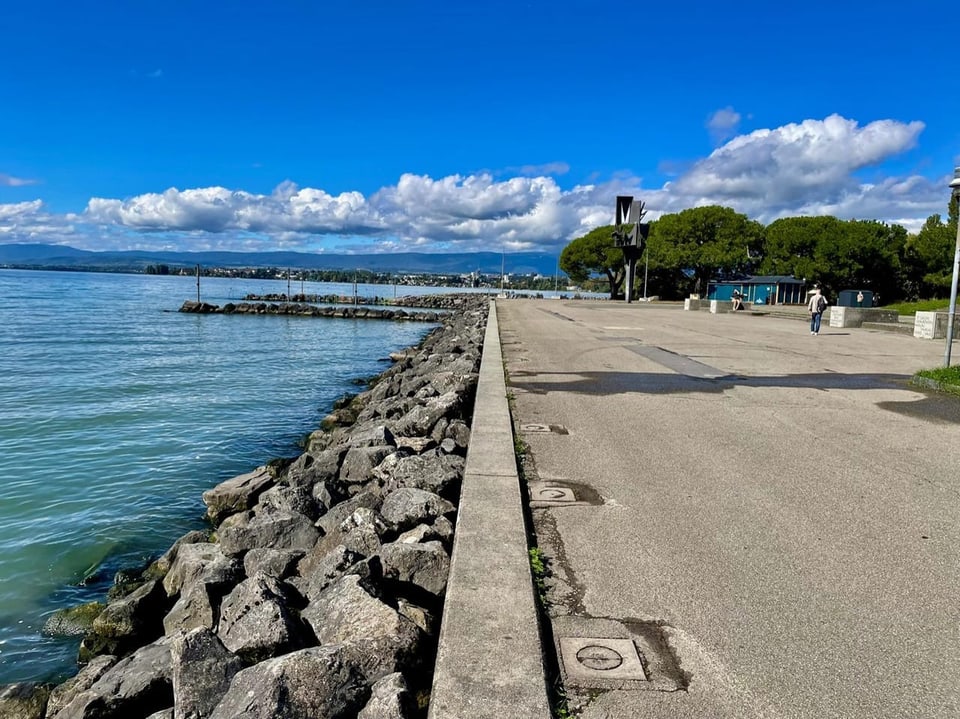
599, 658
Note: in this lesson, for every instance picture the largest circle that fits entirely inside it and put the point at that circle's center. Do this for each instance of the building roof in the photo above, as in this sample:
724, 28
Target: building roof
762, 280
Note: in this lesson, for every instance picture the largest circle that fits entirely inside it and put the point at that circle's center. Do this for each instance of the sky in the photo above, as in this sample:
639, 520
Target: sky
432, 126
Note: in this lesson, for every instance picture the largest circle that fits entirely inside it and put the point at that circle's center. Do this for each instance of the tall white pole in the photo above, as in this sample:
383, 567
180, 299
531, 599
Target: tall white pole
646, 269
952, 311
503, 259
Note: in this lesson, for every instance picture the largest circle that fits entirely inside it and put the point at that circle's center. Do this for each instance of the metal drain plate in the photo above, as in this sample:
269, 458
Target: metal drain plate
536, 428
589, 660
606, 653
559, 493
547, 494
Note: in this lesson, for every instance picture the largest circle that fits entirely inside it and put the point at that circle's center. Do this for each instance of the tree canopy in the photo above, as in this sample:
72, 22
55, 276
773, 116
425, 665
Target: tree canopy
689, 249
705, 242
594, 253
836, 254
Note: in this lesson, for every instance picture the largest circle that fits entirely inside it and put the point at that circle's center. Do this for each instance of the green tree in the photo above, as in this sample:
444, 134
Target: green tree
866, 255
928, 255
594, 253
794, 246
705, 241
837, 254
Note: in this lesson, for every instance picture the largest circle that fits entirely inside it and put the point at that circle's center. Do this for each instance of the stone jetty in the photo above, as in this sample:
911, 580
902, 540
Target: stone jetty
318, 590
396, 311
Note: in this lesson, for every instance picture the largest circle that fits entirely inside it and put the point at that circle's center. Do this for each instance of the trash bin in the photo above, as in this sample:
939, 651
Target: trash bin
855, 298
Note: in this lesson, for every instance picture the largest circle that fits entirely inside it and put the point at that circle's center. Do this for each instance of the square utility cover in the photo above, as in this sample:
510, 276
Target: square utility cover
587, 660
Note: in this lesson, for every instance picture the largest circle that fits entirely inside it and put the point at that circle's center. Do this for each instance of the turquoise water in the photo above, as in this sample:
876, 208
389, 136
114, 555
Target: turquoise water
116, 412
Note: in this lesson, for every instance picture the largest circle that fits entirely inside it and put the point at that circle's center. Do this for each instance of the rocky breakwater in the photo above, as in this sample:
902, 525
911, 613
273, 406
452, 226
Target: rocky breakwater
319, 591
300, 309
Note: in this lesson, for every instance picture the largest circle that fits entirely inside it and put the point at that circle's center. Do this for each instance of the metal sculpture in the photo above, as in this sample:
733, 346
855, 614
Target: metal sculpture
630, 235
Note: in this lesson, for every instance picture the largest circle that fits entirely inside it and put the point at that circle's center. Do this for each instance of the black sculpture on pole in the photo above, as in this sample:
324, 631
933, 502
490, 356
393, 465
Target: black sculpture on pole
633, 241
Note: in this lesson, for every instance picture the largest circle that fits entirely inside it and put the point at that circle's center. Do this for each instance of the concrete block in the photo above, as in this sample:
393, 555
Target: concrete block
933, 325
856, 316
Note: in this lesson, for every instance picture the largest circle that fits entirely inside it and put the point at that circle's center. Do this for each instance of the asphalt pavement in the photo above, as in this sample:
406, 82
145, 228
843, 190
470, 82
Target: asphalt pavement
741, 519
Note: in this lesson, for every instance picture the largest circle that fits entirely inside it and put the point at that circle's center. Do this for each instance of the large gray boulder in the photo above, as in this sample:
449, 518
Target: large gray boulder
457, 376
279, 563
426, 566
255, 621
362, 531
315, 683
64, 693
407, 507
296, 499
127, 623
413, 445
371, 435
309, 469
202, 671
382, 639
158, 568
358, 466
421, 418
319, 571
389, 699
432, 471
459, 432
201, 562
197, 606
136, 686
26, 700
331, 521
72, 621
237, 494
276, 529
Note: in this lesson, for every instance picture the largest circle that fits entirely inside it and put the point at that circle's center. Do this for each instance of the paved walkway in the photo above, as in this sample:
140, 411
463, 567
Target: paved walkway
766, 523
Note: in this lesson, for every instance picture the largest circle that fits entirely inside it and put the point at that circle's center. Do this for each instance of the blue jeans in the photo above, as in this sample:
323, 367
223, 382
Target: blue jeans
815, 321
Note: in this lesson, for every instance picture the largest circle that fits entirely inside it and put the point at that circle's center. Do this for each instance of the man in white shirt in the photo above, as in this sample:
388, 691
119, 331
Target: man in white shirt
816, 306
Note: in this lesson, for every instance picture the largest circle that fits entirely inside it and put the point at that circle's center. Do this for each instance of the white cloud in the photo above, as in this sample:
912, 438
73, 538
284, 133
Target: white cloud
805, 168
29, 222
808, 168
723, 123
11, 181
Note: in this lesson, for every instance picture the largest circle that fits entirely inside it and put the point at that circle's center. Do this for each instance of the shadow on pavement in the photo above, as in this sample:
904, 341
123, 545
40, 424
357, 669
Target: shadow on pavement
603, 383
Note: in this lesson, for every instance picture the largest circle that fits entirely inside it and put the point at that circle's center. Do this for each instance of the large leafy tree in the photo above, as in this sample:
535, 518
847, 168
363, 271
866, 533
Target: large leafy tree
594, 253
794, 246
928, 255
664, 279
705, 242
837, 254
865, 255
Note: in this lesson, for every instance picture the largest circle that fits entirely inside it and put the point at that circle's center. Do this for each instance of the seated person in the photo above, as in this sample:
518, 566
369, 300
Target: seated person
737, 300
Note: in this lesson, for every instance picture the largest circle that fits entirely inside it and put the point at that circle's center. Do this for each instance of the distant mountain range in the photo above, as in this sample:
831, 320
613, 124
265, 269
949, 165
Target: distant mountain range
63, 257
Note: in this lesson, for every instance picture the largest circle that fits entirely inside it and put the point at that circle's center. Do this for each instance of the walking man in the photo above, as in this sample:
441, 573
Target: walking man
816, 306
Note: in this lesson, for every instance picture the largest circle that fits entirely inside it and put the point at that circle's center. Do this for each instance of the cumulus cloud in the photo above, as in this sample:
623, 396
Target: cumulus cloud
723, 124
807, 168
29, 222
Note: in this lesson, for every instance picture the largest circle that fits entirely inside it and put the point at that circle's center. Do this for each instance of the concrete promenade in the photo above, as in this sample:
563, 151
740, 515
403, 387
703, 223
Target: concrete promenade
760, 522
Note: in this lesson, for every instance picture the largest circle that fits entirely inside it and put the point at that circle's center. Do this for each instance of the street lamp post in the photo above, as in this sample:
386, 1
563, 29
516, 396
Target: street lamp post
952, 311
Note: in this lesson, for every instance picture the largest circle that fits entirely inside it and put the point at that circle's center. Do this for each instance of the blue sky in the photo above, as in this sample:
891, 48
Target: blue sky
446, 126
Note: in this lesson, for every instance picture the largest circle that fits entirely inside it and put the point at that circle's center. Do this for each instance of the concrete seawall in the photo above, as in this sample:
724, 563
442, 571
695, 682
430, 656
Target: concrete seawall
490, 662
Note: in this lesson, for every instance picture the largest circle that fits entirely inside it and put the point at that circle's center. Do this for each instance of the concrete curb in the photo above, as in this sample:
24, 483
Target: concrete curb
489, 660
